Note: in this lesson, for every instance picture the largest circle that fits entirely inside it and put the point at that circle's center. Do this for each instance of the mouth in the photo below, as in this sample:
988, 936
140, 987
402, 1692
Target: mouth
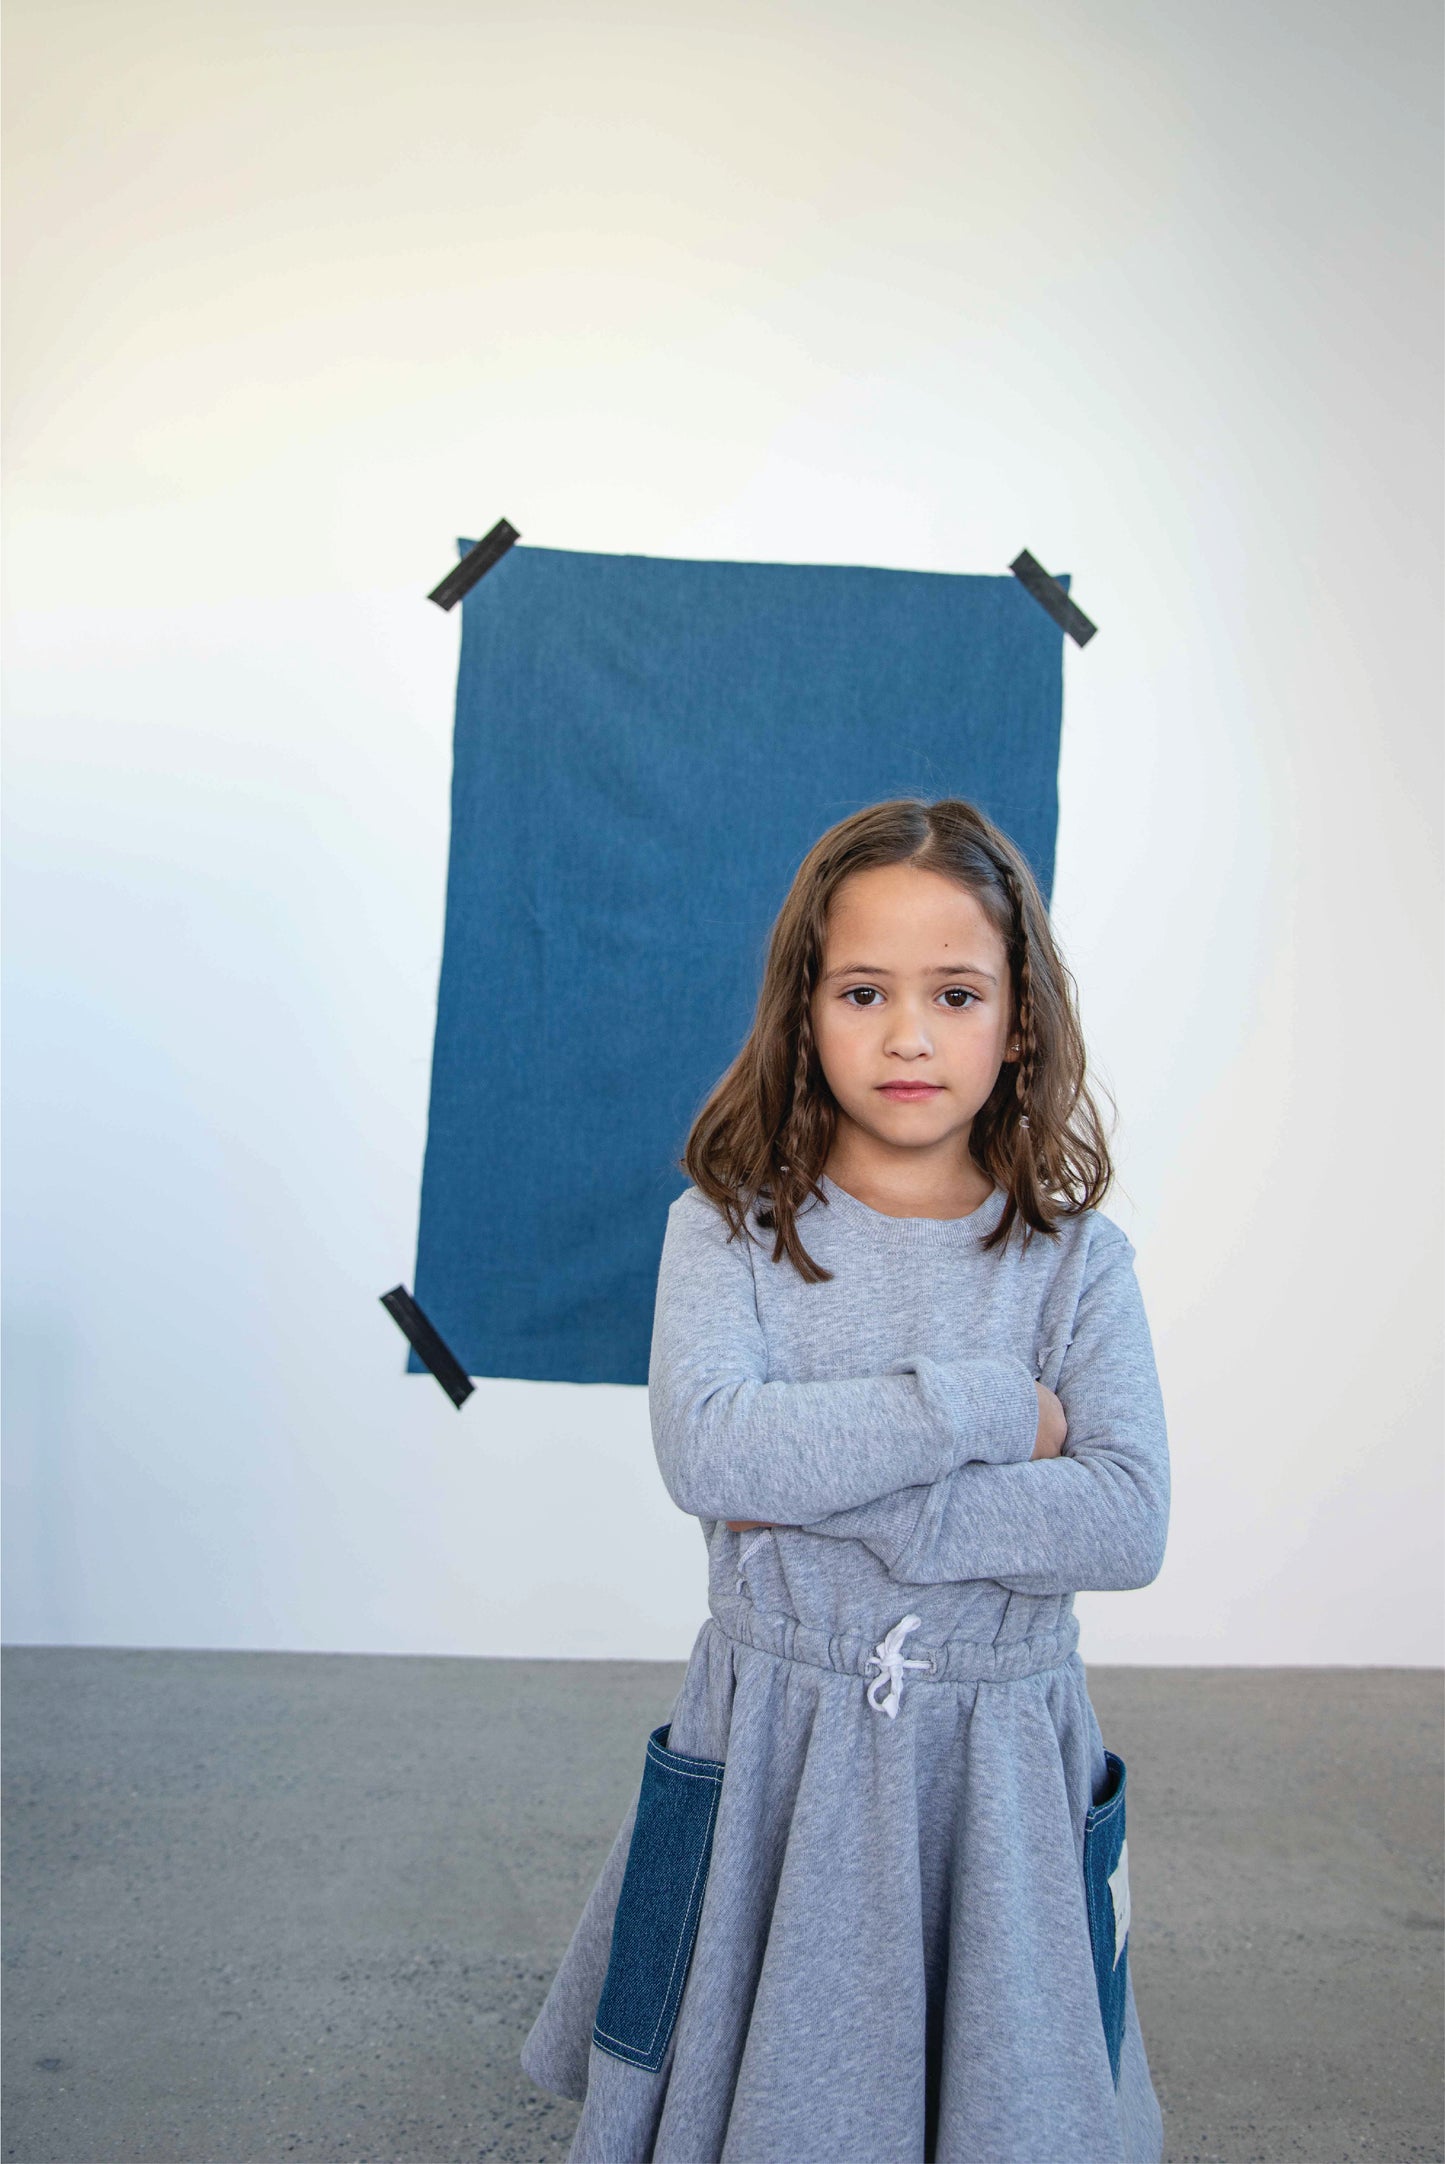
910, 1092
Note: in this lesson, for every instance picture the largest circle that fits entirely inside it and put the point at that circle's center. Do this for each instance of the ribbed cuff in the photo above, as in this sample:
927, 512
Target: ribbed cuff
985, 1409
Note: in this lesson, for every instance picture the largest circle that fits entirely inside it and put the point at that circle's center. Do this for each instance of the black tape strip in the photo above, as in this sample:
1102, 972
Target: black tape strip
438, 1356
1051, 596
489, 550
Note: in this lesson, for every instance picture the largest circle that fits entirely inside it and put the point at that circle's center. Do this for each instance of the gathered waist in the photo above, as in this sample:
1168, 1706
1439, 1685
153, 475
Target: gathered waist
951, 1660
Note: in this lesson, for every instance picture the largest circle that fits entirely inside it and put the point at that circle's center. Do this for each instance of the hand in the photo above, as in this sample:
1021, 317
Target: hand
1053, 1424
746, 1525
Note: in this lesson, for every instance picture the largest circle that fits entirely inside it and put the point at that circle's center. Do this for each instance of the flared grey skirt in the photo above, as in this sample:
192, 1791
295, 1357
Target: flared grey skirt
877, 1913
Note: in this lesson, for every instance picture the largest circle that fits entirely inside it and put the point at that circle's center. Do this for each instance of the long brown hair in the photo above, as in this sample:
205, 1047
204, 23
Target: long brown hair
764, 1133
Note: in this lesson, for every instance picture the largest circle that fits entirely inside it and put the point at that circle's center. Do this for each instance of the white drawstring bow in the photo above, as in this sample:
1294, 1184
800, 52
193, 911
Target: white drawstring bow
888, 1659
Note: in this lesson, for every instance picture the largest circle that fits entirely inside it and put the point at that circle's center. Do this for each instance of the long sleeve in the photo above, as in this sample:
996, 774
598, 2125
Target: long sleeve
731, 1444
1094, 1519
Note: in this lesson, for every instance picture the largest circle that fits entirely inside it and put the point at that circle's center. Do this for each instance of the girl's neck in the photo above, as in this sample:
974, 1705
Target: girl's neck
901, 1190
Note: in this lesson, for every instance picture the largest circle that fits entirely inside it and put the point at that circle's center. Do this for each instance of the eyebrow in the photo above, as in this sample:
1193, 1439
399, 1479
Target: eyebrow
940, 969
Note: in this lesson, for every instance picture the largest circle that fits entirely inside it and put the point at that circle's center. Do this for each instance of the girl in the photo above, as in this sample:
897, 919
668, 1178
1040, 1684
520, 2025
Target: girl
870, 1905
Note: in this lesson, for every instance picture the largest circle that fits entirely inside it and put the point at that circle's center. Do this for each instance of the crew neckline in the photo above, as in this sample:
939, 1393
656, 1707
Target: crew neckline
916, 1231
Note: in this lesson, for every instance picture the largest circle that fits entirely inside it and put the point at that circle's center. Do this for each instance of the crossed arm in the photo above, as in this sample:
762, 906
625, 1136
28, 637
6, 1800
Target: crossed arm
731, 1444
929, 1464
1095, 1518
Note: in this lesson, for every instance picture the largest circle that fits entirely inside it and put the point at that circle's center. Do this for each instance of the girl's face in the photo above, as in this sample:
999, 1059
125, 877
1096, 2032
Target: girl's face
914, 989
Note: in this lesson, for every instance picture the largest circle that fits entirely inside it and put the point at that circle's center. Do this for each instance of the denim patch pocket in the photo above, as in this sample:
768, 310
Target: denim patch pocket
1106, 1882
659, 1904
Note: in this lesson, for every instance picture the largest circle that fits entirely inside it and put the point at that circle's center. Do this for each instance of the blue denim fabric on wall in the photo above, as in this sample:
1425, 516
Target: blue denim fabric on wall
645, 749
1106, 1883
660, 1903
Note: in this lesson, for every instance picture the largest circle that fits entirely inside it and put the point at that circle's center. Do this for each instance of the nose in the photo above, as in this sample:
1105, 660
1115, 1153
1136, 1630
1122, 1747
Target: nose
907, 1028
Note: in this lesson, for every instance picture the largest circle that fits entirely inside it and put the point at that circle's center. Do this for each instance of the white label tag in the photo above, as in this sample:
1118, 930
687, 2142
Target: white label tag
1118, 1884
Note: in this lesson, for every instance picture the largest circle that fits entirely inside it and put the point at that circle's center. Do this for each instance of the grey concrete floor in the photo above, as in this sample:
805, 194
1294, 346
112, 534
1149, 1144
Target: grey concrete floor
265, 1905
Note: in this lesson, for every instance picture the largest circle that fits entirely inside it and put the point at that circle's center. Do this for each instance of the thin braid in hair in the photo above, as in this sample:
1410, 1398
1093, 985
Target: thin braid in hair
797, 1111
1028, 1043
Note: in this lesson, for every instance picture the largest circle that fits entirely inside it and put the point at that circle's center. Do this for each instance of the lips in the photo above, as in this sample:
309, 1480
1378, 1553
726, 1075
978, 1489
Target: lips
910, 1089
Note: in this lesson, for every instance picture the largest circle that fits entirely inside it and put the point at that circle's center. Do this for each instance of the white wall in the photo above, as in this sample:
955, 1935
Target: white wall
299, 294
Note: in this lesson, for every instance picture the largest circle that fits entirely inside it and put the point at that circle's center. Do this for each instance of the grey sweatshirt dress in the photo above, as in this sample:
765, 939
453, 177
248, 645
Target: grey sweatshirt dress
879, 1943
